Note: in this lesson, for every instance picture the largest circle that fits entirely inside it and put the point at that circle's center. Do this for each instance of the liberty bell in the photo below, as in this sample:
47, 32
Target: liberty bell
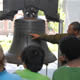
28, 25
22, 39
22, 30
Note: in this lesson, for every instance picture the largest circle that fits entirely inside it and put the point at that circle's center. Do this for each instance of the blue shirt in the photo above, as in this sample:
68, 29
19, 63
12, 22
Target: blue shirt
4, 75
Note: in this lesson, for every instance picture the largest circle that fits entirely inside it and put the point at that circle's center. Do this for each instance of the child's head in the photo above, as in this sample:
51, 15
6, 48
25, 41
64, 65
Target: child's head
33, 57
70, 47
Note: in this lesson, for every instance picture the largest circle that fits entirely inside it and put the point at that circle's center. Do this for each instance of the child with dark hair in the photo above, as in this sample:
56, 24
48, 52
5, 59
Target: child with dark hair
70, 48
32, 58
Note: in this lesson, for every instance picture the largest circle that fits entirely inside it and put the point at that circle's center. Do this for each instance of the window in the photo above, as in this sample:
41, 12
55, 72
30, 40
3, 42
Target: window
1, 5
9, 25
1, 25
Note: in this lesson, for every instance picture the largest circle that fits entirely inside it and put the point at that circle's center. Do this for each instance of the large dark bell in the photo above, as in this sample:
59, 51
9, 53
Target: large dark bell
22, 39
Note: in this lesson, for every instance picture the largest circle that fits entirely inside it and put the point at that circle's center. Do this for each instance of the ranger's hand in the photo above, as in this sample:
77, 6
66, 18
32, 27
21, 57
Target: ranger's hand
35, 36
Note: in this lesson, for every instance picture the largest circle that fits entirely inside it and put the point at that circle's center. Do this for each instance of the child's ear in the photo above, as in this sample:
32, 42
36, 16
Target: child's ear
19, 58
25, 66
61, 58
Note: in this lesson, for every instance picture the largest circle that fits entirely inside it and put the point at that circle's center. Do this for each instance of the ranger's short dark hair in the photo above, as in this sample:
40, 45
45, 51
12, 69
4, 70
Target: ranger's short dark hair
33, 58
76, 26
70, 47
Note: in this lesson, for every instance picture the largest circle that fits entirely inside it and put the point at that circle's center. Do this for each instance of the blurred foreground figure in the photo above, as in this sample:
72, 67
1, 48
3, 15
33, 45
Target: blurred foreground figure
4, 75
